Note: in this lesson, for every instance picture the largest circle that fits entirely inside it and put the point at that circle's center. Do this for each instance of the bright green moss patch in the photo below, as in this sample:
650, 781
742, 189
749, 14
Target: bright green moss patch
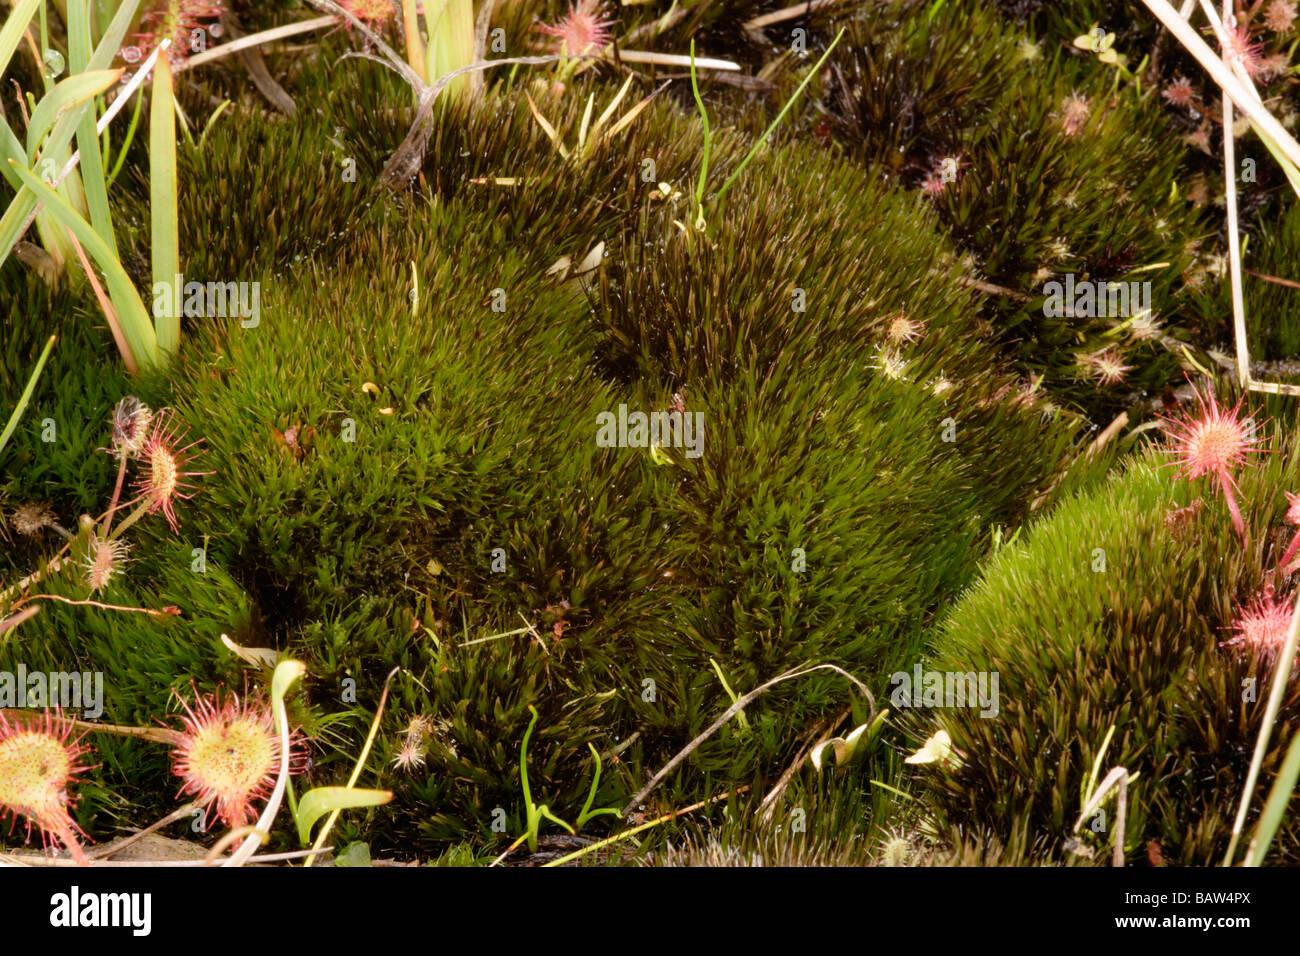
1113, 612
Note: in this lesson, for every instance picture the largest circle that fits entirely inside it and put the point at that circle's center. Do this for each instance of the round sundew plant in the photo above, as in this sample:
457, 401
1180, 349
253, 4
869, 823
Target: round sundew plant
582, 30
228, 755
1262, 625
1213, 441
39, 763
164, 461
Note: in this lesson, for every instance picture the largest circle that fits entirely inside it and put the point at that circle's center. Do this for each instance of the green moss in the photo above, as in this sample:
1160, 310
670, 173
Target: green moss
1032, 196
1135, 645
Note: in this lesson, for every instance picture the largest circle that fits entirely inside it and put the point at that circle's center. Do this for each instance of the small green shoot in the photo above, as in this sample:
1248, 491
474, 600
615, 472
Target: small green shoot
700, 222
588, 813
740, 715
535, 812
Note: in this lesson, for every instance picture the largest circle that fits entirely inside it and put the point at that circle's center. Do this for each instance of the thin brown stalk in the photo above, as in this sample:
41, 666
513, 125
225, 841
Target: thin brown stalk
106, 306
111, 849
640, 828
1276, 280
990, 289
32, 859
169, 611
819, 736
739, 705
1110, 431
255, 40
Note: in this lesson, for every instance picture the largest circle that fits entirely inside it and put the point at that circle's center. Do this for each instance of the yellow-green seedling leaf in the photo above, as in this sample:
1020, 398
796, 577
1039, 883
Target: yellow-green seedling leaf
846, 749
628, 118
586, 122
286, 672
660, 457
547, 128
613, 105
938, 749
71, 93
316, 803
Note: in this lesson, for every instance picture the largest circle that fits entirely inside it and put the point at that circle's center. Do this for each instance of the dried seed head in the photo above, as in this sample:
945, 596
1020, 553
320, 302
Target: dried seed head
411, 755
1279, 16
131, 421
903, 329
31, 519
1074, 114
1105, 367
890, 364
419, 727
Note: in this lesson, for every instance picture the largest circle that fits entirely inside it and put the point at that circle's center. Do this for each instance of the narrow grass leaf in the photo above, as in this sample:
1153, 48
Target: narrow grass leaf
92, 160
26, 396
15, 25
164, 234
72, 92
1279, 797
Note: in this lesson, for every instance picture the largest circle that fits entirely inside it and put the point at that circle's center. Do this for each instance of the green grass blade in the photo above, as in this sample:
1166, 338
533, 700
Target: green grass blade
15, 217
131, 313
11, 34
92, 161
27, 394
73, 92
128, 140
164, 233
762, 140
707, 134
11, 147
1275, 807
111, 42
